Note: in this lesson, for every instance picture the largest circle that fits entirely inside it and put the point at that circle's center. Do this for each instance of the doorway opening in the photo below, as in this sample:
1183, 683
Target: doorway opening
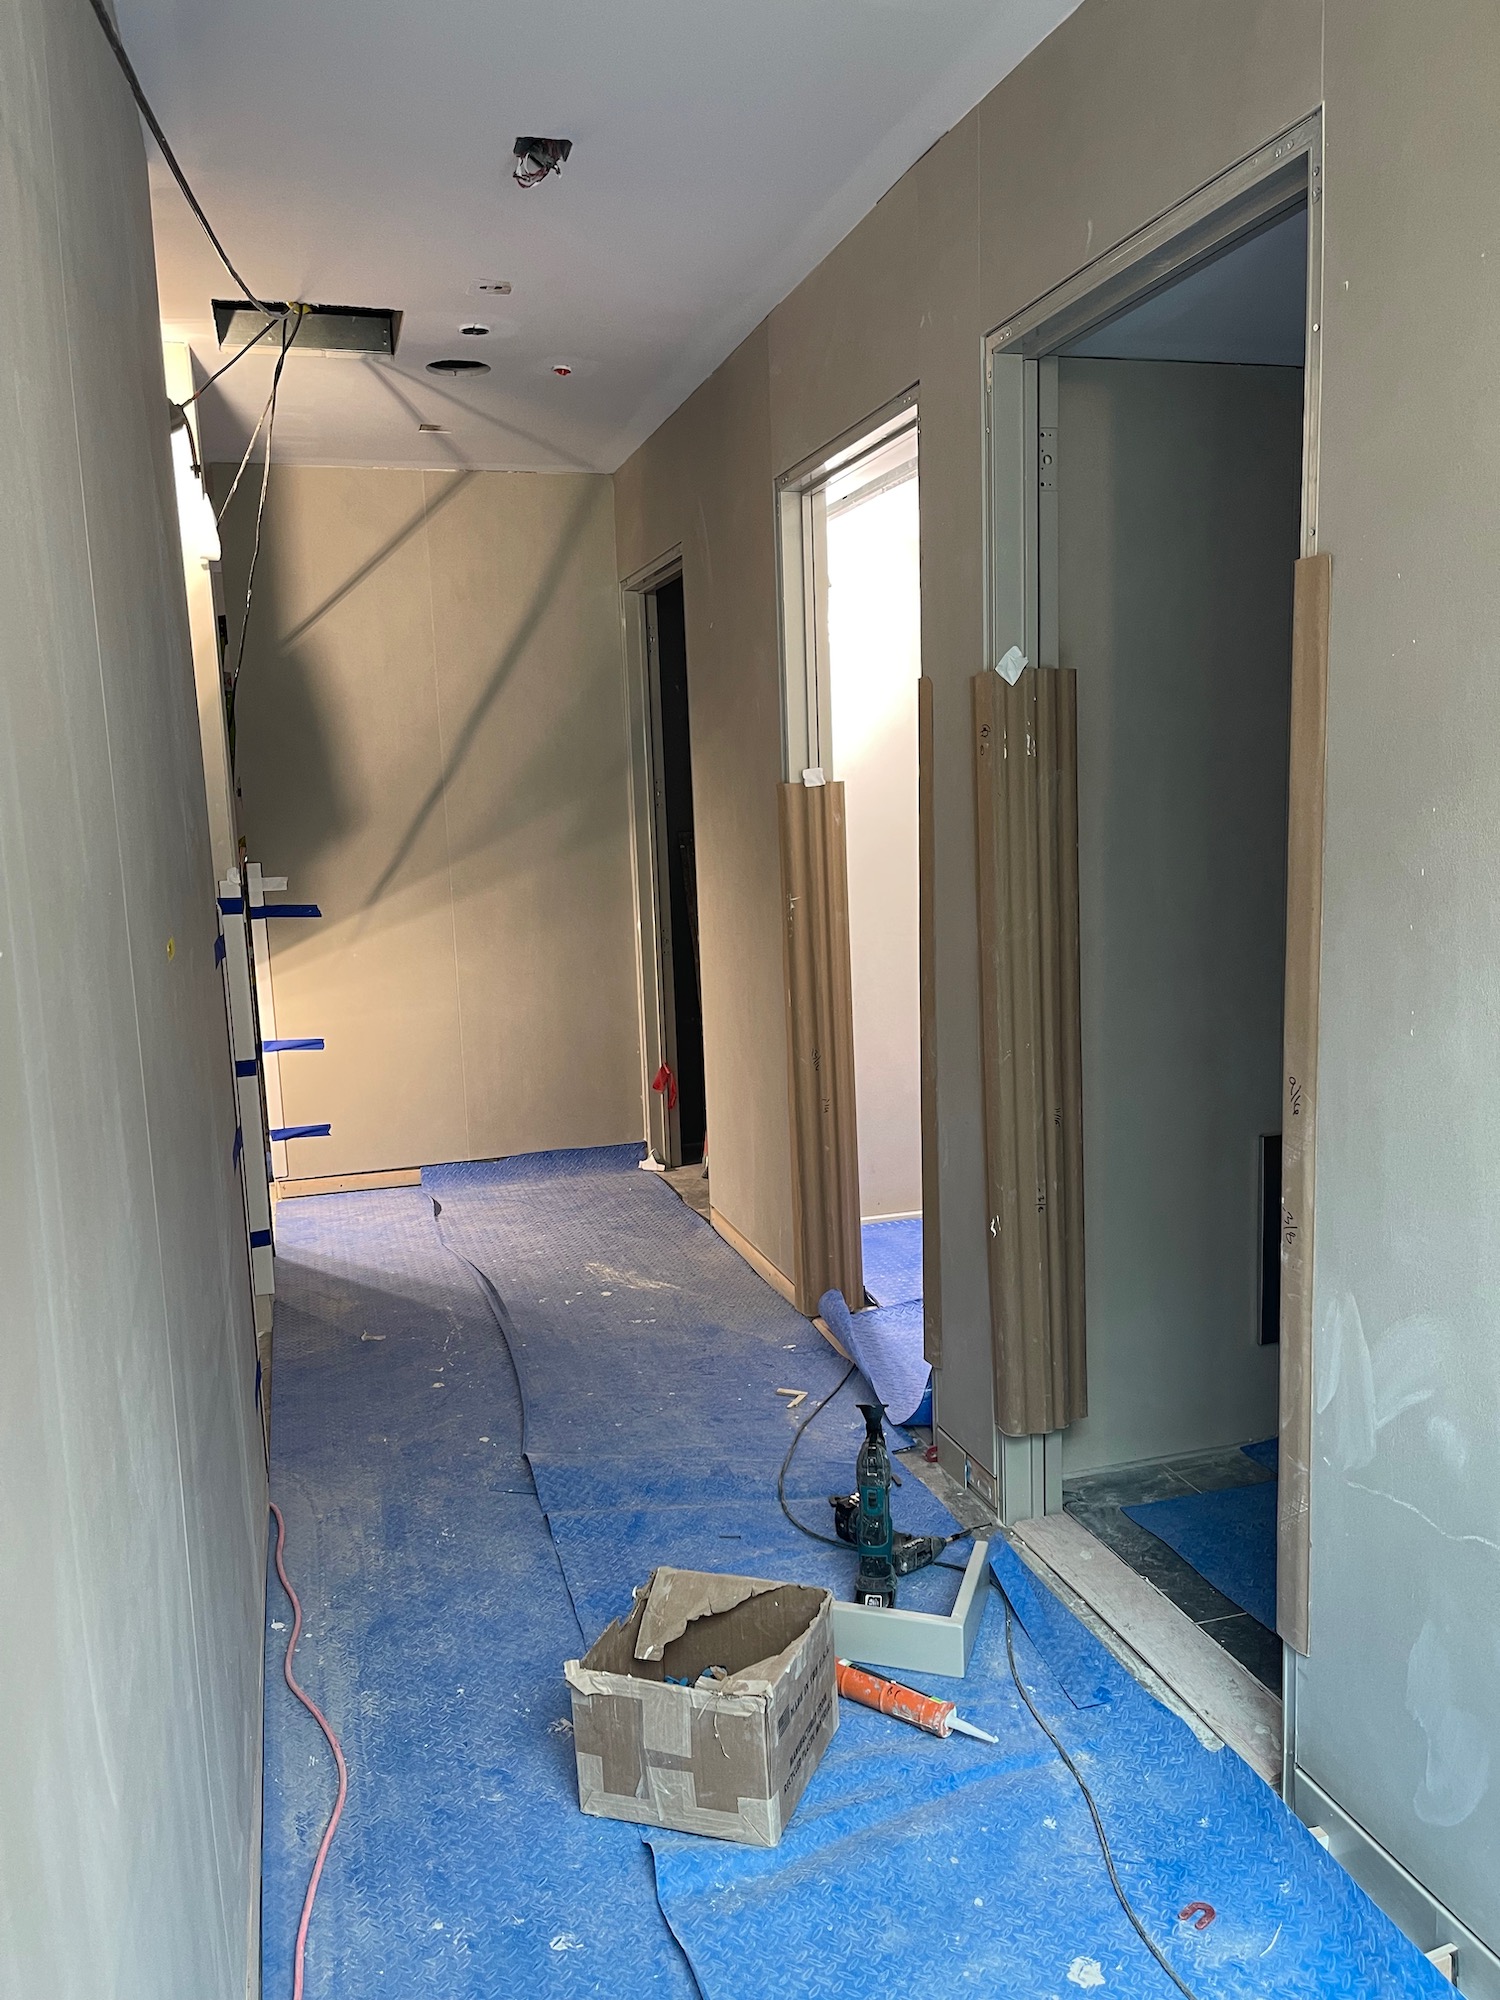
1166, 417
851, 576
875, 662
671, 983
677, 873
1179, 492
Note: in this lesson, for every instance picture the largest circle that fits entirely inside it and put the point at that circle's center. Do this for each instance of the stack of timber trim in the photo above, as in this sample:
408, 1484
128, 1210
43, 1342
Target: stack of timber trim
1304, 932
1026, 803
932, 1296
820, 1046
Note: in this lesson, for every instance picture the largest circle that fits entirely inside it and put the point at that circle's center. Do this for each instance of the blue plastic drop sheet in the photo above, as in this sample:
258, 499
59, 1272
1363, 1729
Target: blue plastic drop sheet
437, 1624
925, 1866
887, 1344
1229, 1537
893, 1260
650, 1358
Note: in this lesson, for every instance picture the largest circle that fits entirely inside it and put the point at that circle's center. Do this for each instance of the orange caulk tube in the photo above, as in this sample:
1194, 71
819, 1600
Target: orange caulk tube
923, 1711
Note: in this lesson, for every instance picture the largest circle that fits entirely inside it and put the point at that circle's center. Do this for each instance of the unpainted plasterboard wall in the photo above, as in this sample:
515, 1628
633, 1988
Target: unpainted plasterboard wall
1179, 492
431, 748
132, 1539
1121, 113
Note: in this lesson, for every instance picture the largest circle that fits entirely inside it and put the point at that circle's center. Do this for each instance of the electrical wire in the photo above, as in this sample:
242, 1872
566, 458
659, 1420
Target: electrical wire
239, 355
1088, 1798
1010, 1653
333, 1743
287, 338
245, 459
802, 1528
143, 105
812, 1533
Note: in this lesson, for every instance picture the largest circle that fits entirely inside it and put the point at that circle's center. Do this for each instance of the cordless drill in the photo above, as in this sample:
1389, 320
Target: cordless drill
863, 1518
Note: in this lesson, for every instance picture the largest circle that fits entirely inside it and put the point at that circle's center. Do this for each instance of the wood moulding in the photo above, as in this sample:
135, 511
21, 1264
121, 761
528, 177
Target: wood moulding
820, 1046
1026, 802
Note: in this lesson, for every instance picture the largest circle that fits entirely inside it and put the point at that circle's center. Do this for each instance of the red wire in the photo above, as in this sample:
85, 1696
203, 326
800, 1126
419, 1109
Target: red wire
333, 1743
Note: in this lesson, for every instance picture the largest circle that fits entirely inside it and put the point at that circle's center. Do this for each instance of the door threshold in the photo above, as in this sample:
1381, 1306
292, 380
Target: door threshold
1144, 1629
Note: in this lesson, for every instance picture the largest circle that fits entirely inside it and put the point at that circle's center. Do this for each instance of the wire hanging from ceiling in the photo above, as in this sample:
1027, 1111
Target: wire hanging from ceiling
143, 104
291, 326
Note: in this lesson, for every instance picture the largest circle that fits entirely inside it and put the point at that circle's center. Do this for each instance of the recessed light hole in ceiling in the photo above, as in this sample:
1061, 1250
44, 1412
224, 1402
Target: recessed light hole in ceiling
455, 364
474, 330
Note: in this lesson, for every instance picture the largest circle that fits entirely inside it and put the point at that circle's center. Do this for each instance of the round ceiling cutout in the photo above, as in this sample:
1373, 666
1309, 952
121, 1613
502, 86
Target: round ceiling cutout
454, 364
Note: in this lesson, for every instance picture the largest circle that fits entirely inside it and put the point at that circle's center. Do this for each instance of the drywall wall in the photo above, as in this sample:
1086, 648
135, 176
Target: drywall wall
431, 748
703, 485
1399, 1702
875, 661
1121, 113
132, 1530
1179, 492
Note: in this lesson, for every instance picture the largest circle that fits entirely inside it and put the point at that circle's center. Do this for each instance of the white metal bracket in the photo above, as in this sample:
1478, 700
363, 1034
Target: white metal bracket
917, 1642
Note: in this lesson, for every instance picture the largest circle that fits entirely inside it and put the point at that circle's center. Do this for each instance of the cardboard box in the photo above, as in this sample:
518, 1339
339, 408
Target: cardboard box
731, 1757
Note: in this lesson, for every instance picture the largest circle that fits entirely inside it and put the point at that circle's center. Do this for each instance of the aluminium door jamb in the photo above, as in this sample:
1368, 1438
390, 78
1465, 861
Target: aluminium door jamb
1021, 410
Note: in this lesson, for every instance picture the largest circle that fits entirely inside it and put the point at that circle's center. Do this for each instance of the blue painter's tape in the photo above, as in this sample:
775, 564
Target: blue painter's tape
245, 1065
287, 910
283, 1043
231, 905
239, 1145
219, 951
300, 1131
260, 1239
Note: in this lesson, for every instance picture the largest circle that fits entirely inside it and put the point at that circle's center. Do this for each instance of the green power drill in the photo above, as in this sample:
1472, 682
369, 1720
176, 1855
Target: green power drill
863, 1518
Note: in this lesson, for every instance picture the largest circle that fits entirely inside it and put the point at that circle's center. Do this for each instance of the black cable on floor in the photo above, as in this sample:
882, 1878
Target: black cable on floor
1010, 1653
812, 1534
1088, 1798
801, 1526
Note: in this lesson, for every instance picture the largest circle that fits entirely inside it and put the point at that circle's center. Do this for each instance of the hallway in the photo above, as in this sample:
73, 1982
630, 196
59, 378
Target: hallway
440, 1603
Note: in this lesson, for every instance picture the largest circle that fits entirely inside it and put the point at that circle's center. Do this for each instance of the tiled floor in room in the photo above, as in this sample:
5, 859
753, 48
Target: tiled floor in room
1097, 1499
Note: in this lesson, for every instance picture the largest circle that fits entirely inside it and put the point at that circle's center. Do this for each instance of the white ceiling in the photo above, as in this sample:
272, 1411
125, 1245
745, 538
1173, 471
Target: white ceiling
1248, 305
358, 152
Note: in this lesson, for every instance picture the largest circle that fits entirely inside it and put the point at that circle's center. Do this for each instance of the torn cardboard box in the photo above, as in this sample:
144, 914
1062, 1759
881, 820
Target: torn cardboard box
730, 1752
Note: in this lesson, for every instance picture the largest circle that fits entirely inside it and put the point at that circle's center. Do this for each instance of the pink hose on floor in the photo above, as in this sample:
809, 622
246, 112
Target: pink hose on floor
333, 1743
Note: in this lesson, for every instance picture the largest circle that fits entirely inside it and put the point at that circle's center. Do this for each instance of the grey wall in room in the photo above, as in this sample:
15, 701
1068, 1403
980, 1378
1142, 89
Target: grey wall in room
432, 748
1399, 1703
1179, 500
132, 1528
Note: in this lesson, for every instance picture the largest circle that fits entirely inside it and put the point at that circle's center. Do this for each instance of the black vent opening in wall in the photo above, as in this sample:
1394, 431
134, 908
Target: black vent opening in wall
1270, 1239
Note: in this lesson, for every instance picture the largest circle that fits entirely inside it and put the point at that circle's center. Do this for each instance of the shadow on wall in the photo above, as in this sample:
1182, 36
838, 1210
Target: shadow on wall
552, 761
528, 792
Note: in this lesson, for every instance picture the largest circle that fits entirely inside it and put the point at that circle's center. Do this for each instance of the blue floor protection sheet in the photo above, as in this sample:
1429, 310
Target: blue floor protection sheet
658, 1373
893, 1260
649, 1359
437, 1623
1229, 1537
887, 1342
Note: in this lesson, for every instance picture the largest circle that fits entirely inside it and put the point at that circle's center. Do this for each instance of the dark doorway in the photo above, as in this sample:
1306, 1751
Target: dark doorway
677, 873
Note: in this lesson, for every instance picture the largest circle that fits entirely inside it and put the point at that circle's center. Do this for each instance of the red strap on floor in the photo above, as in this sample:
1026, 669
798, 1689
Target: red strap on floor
664, 1080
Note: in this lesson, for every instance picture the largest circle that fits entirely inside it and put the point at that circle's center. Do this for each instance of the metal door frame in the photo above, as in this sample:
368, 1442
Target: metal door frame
1020, 390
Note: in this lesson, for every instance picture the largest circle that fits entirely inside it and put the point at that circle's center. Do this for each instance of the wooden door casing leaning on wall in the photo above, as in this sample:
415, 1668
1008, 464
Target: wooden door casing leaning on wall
1026, 827
820, 1046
